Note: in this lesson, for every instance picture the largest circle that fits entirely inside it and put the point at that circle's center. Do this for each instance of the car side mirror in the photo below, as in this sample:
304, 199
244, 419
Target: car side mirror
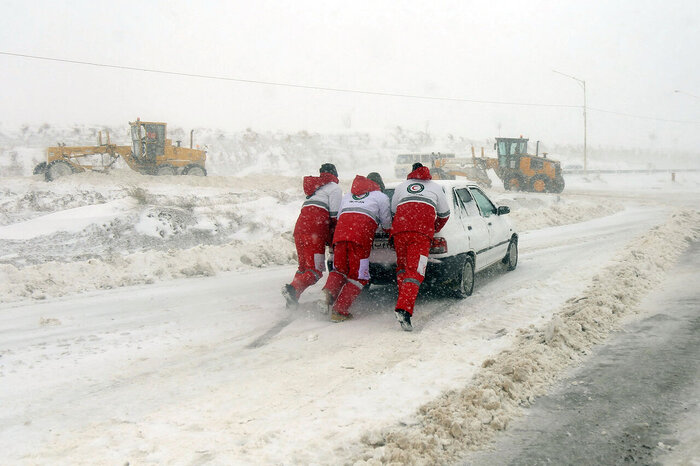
503, 209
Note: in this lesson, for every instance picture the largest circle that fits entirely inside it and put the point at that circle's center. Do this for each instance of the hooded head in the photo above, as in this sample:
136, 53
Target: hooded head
377, 178
416, 165
328, 168
420, 172
362, 185
327, 174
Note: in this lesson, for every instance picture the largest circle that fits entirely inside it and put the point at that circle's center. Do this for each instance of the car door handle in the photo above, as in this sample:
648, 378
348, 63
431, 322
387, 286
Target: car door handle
489, 223
469, 227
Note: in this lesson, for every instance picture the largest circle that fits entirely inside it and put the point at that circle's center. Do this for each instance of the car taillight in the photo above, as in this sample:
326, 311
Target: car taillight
438, 246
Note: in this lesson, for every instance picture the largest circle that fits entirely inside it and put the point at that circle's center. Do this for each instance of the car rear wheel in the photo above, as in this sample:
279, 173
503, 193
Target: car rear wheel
465, 284
511, 259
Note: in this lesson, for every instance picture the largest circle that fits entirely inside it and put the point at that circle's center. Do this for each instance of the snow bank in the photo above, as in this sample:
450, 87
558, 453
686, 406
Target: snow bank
469, 418
69, 220
535, 211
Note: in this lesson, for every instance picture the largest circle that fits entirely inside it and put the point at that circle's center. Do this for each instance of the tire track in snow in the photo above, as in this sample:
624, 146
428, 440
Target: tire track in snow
270, 334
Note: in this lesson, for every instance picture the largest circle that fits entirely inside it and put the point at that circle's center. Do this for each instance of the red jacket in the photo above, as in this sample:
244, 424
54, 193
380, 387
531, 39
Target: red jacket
361, 210
320, 210
419, 204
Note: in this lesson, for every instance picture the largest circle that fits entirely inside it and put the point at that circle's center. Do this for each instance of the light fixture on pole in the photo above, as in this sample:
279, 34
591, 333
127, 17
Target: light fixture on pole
583, 83
686, 93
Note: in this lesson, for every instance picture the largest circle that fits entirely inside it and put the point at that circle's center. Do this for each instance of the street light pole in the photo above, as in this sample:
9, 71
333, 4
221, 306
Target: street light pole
585, 132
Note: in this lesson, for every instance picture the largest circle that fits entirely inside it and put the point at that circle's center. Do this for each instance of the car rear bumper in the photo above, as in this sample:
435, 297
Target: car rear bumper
438, 272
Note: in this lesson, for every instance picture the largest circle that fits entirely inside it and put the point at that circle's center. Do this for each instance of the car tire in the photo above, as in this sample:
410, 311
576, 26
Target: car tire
465, 280
511, 258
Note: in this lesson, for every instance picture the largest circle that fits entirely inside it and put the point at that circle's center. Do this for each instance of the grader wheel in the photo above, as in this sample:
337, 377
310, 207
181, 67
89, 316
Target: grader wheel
539, 184
57, 169
558, 185
513, 183
165, 170
40, 169
194, 170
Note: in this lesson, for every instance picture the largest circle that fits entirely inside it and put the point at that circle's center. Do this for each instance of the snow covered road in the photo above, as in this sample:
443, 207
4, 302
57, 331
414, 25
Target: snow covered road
215, 370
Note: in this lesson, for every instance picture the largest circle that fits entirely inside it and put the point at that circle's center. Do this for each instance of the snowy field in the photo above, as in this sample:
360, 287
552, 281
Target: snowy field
141, 322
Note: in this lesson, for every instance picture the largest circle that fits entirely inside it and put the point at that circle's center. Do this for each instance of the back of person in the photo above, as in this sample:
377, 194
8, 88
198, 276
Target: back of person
361, 211
320, 207
421, 210
365, 207
417, 203
314, 230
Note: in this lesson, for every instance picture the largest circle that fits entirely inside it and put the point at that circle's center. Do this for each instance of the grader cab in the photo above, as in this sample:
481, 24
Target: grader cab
150, 153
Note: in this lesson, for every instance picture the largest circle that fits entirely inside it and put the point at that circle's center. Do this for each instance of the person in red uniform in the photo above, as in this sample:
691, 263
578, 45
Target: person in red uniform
314, 230
361, 211
420, 210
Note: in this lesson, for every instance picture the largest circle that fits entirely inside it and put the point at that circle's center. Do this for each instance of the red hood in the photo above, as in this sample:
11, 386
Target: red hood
361, 185
420, 173
312, 183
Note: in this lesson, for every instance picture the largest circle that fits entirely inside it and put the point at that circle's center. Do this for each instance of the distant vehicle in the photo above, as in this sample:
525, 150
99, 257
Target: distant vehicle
470, 168
150, 153
404, 162
478, 234
521, 171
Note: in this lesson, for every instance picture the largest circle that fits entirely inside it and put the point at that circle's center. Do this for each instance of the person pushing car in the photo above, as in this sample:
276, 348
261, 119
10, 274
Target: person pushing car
420, 210
361, 211
314, 230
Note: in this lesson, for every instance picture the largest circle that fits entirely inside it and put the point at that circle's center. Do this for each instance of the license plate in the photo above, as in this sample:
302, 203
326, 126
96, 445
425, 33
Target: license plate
381, 243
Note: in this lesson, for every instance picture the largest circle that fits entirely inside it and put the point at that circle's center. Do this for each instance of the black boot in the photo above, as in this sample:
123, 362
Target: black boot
404, 319
290, 294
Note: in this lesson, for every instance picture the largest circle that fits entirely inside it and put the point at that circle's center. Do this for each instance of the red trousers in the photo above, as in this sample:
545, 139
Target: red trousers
311, 253
412, 250
349, 275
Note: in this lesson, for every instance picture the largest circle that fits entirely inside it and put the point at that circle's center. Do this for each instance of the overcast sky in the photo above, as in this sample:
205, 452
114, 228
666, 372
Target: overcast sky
632, 54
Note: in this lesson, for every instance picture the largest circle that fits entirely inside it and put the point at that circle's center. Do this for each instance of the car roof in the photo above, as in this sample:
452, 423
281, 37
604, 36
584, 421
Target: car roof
445, 183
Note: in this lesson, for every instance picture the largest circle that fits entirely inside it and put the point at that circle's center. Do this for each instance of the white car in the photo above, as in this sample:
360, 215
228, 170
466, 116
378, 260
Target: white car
478, 235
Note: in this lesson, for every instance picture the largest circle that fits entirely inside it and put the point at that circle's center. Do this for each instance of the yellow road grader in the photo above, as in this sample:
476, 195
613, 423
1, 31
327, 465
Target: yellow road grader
150, 153
471, 168
519, 170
